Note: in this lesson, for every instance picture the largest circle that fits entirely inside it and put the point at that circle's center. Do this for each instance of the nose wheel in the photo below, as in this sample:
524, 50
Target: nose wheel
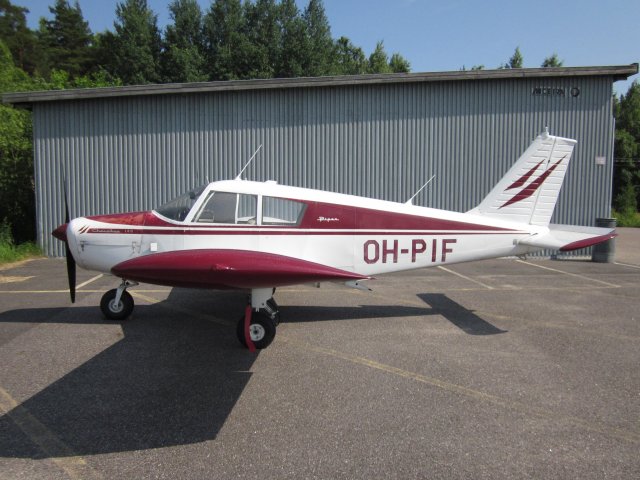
117, 303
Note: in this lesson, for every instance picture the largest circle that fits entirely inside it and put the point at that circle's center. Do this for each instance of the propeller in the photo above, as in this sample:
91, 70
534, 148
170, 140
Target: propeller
71, 263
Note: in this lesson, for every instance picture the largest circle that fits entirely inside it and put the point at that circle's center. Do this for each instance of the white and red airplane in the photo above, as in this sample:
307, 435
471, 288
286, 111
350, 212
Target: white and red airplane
256, 236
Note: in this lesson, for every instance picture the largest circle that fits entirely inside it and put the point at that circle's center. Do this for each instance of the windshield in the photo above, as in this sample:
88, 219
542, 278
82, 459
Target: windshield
178, 208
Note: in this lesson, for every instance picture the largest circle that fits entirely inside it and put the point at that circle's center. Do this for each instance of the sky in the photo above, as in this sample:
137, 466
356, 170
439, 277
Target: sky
446, 35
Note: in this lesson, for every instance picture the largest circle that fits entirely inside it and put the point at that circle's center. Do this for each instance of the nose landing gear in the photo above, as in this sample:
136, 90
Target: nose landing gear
117, 303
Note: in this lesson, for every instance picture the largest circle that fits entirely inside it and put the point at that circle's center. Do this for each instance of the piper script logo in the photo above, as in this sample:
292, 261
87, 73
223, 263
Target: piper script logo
533, 186
325, 219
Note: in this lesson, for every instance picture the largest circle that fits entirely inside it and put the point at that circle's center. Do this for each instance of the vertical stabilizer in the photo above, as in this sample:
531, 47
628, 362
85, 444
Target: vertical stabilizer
529, 191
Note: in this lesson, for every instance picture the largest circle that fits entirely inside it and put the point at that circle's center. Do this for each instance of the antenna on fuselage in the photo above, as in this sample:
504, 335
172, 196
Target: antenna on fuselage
239, 177
409, 202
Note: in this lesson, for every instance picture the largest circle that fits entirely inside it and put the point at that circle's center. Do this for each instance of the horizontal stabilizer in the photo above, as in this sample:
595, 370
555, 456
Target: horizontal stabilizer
567, 237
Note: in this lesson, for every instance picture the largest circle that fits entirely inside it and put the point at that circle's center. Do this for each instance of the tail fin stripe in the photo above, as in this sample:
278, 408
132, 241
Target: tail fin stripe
533, 186
523, 179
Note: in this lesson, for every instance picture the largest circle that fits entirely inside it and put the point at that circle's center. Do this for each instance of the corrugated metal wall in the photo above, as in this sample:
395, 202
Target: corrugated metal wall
382, 141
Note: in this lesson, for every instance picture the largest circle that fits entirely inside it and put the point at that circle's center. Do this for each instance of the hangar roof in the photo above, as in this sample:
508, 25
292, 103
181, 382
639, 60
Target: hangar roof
618, 72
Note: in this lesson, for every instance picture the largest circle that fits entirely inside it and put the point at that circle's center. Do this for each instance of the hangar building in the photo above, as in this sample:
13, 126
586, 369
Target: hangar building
382, 136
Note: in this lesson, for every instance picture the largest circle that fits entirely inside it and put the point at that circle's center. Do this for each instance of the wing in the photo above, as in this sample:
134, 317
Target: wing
222, 268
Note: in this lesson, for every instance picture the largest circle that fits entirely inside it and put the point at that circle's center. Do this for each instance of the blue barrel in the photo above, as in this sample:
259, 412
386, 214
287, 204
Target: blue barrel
605, 252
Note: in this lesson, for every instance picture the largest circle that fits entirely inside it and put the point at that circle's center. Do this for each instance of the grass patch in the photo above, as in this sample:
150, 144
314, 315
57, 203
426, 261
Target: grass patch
626, 219
9, 252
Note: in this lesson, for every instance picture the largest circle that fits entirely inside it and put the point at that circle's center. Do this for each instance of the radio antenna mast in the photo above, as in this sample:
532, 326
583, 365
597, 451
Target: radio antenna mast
239, 177
409, 202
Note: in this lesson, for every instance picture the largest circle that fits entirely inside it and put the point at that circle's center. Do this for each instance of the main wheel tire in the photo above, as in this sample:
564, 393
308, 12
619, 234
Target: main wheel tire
122, 310
262, 330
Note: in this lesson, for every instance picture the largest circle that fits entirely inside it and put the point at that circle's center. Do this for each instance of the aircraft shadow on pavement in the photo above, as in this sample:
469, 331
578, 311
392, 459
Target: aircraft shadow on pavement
466, 320
171, 380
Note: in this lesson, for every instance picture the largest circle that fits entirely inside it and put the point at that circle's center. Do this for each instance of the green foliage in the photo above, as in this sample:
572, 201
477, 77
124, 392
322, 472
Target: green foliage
20, 40
9, 252
65, 40
227, 43
183, 58
398, 64
17, 196
349, 59
626, 178
291, 59
515, 61
552, 61
264, 35
626, 220
133, 52
378, 60
318, 48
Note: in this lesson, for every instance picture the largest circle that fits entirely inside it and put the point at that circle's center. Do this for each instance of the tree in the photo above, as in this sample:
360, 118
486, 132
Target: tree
516, 60
228, 48
291, 58
133, 52
349, 59
17, 200
20, 40
319, 51
552, 61
183, 59
264, 36
378, 60
626, 178
66, 40
398, 64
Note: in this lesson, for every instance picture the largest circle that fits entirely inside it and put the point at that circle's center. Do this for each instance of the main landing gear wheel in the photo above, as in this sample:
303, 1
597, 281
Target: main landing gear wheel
119, 311
262, 330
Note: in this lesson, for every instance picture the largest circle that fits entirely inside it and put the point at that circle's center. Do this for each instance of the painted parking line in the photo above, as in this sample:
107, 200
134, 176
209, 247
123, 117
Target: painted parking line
84, 284
58, 452
576, 275
628, 265
489, 287
77, 291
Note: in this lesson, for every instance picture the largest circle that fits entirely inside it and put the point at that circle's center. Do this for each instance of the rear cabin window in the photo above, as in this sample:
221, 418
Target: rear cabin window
230, 208
281, 211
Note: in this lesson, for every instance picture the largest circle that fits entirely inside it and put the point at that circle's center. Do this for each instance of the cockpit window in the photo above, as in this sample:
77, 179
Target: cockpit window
232, 208
178, 208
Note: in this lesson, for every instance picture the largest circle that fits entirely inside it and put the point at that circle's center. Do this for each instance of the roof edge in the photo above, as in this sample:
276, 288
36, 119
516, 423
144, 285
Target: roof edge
618, 72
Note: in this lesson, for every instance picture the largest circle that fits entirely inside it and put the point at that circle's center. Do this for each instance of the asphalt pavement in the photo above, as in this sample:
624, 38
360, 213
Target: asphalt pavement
497, 369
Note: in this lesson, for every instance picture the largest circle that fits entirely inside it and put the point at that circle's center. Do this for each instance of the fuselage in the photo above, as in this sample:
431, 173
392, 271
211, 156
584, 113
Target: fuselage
353, 234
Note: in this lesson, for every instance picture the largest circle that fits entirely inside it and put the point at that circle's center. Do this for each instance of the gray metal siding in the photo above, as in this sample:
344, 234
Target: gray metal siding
381, 141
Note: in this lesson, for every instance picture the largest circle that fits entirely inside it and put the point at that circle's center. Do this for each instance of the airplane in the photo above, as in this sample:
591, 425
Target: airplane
258, 236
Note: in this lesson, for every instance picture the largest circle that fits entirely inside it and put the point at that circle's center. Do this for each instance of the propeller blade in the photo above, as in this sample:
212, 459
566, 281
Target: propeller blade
66, 203
71, 273
71, 263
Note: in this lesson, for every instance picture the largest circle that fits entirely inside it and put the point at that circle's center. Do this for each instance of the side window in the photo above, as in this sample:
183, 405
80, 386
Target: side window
281, 211
231, 208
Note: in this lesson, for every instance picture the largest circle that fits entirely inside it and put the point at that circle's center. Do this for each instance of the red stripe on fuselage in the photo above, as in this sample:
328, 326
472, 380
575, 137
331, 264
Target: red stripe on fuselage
254, 231
348, 219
